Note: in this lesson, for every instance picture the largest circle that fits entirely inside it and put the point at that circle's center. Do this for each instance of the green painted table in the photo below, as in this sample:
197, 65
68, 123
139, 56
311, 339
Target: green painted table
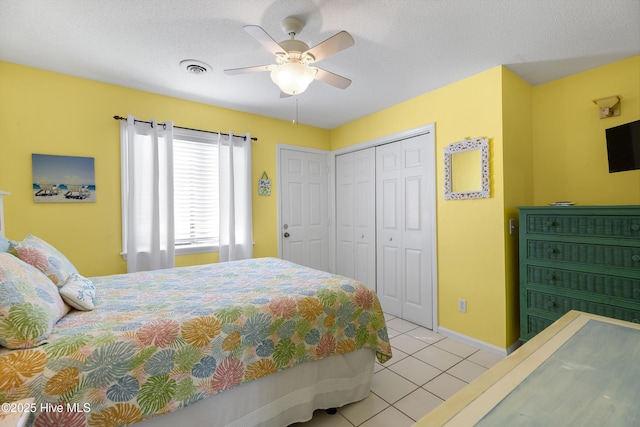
583, 370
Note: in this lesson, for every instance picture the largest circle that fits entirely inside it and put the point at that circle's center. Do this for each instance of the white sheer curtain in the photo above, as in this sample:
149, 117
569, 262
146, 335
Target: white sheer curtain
147, 194
235, 197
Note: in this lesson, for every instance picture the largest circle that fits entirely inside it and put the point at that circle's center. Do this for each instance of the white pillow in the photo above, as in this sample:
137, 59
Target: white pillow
79, 292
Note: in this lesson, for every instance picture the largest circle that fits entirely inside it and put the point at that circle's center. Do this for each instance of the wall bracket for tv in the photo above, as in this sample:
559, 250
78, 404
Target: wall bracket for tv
609, 106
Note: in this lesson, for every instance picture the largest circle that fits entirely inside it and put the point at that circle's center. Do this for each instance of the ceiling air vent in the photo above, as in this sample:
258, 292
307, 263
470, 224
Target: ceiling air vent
193, 66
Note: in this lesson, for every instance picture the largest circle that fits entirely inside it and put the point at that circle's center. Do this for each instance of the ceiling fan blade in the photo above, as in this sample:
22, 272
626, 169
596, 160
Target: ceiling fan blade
245, 70
333, 44
264, 39
332, 79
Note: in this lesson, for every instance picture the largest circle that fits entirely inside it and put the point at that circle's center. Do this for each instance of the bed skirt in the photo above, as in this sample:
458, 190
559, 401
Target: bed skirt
283, 398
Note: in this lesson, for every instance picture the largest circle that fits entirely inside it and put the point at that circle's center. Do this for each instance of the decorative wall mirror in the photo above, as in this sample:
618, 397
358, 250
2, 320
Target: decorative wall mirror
466, 169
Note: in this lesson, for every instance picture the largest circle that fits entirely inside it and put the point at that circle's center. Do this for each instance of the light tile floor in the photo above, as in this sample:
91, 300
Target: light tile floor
425, 370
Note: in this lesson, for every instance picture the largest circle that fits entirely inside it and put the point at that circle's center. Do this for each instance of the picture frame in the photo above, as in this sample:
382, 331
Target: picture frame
264, 185
63, 179
466, 170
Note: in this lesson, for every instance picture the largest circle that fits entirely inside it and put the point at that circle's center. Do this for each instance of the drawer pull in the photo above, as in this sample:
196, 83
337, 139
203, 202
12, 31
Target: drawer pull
551, 223
552, 251
635, 258
551, 279
635, 227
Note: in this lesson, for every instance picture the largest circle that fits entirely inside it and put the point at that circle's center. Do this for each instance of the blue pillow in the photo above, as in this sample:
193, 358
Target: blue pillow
4, 244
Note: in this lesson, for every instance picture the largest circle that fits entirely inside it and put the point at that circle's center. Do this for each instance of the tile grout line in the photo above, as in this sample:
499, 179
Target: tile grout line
380, 367
421, 387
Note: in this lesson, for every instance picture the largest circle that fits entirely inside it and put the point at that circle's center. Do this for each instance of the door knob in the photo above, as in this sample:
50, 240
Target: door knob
286, 235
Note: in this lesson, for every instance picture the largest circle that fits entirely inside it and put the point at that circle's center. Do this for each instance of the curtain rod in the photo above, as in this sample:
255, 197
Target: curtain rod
199, 130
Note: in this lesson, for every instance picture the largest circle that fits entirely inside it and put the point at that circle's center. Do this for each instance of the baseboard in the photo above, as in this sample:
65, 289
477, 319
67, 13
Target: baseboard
503, 352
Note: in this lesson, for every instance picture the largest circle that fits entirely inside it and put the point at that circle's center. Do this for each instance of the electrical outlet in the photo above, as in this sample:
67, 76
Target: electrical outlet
462, 305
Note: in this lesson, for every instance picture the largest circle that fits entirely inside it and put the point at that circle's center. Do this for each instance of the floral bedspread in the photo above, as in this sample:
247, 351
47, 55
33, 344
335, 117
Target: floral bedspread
158, 341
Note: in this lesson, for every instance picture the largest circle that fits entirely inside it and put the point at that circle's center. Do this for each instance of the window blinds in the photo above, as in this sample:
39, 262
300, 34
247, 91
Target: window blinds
196, 201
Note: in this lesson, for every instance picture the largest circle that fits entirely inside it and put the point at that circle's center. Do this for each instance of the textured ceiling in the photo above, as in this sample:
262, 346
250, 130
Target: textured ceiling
403, 48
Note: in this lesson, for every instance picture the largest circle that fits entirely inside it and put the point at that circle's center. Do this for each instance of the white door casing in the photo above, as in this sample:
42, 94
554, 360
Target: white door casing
303, 215
355, 216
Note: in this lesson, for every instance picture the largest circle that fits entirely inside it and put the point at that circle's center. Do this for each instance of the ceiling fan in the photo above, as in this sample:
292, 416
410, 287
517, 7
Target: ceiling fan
292, 72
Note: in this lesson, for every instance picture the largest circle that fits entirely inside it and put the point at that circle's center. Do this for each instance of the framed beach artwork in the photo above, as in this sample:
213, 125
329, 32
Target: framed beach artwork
63, 179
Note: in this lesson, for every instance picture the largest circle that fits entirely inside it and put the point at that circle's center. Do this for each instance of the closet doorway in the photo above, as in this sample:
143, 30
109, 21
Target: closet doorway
385, 225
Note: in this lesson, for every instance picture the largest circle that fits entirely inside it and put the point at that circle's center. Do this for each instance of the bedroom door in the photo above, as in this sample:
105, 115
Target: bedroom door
304, 232
405, 199
356, 216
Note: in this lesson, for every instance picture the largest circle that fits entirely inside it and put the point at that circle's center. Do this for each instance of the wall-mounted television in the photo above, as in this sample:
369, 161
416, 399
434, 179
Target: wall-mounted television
623, 147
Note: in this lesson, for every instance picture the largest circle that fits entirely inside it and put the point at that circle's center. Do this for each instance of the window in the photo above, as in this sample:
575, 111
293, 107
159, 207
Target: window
194, 226
195, 182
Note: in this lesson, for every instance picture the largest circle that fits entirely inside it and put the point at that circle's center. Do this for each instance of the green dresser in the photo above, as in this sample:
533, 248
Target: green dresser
583, 258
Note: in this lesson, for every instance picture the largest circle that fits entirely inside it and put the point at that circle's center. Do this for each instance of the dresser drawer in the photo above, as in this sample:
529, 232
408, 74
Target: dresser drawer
560, 304
623, 227
587, 254
597, 284
532, 325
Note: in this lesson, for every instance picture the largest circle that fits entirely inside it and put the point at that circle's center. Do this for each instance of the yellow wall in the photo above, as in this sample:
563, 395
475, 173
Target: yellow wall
569, 154
546, 144
470, 233
518, 183
49, 113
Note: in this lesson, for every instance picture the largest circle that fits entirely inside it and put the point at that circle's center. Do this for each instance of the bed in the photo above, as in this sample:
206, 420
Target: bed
254, 342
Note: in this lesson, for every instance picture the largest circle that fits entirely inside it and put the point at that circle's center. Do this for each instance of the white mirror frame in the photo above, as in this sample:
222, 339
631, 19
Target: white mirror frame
481, 144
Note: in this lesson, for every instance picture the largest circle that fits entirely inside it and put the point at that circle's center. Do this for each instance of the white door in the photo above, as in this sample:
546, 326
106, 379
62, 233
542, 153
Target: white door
303, 185
355, 216
389, 217
405, 198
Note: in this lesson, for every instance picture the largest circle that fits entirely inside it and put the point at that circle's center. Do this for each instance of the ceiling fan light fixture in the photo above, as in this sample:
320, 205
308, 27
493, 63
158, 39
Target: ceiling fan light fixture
293, 78
292, 72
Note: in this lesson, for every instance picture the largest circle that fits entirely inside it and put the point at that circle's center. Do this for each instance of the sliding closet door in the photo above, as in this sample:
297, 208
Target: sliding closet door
389, 218
355, 216
417, 234
345, 234
404, 258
